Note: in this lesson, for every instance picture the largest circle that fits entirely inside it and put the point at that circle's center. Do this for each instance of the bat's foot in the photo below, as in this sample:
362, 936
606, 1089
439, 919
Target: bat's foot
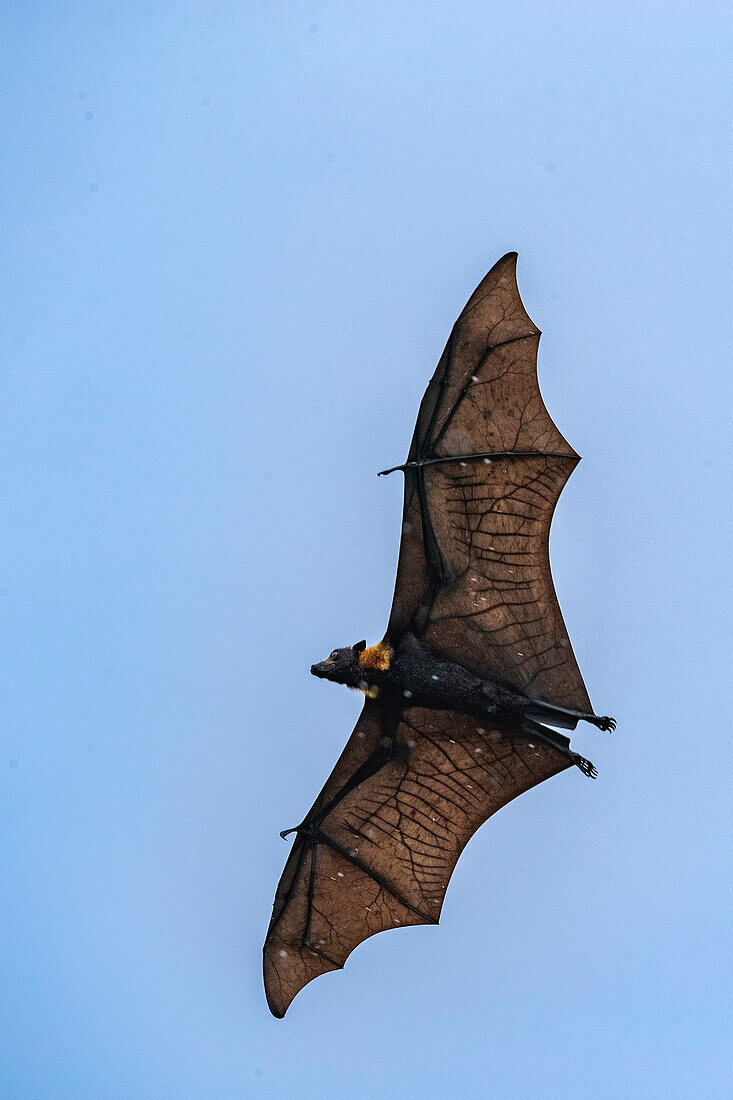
585, 765
604, 723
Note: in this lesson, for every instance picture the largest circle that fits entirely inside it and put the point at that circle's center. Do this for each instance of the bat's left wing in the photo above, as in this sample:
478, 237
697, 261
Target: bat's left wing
378, 848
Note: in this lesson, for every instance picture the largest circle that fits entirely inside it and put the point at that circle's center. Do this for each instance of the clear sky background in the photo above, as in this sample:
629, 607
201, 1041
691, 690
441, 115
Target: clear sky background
236, 237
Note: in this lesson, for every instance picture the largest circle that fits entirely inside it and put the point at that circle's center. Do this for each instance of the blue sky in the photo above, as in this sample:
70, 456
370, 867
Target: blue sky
236, 237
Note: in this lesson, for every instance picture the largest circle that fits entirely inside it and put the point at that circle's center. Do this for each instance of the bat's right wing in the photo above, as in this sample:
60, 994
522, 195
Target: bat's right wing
378, 848
484, 473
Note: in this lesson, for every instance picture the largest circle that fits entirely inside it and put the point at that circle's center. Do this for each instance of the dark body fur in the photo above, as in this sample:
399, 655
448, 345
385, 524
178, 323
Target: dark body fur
418, 676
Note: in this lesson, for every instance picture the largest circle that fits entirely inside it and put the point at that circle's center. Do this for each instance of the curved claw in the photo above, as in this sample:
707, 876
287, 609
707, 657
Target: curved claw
607, 724
285, 833
585, 766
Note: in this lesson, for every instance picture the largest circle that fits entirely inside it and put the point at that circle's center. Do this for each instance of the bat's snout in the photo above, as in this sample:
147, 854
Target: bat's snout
323, 668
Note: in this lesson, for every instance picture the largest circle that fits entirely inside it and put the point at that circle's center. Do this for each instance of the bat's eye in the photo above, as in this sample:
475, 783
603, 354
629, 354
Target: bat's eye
334, 656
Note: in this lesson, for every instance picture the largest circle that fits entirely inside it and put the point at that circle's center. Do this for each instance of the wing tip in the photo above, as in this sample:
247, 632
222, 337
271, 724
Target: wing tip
279, 1006
279, 1002
276, 1008
508, 260
507, 266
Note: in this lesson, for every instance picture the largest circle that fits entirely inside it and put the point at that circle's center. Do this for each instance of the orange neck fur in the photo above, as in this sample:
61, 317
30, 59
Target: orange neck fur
377, 656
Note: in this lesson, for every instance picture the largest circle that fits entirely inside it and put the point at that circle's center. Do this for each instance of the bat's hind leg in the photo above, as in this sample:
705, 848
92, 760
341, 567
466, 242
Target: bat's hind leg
562, 744
568, 718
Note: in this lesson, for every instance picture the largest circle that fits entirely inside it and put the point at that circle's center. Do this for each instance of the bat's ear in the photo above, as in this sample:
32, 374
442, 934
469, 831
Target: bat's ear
358, 647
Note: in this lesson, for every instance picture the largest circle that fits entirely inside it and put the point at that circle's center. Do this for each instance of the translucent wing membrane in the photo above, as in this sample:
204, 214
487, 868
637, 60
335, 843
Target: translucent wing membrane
501, 617
382, 855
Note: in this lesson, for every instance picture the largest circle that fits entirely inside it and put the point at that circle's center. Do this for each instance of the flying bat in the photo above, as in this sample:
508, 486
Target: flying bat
473, 673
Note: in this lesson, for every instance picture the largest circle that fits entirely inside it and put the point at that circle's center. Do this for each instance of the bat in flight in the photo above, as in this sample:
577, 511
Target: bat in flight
475, 668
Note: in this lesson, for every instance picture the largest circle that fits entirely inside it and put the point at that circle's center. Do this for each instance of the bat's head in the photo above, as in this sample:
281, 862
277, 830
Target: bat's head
342, 666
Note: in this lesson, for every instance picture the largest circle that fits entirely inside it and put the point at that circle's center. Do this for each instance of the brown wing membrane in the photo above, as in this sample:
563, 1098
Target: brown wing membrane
380, 854
501, 618
484, 473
